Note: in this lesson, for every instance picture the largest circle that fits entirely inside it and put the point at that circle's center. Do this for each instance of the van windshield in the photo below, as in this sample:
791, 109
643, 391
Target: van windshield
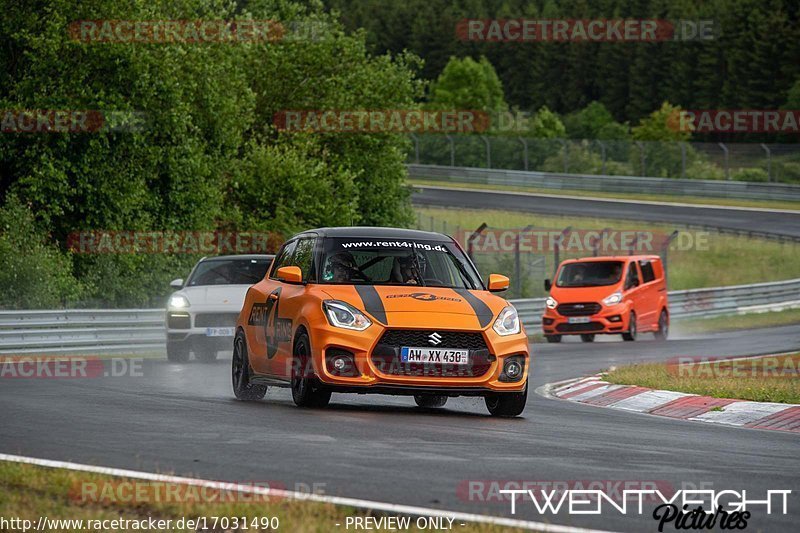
590, 274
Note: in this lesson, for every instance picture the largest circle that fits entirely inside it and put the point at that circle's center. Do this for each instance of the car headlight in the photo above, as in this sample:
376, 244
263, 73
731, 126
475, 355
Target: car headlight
507, 322
613, 299
343, 315
177, 301
551, 303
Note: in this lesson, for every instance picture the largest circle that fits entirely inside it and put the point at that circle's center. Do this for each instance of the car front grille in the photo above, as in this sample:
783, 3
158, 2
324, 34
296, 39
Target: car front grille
215, 320
579, 328
176, 321
579, 309
386, 355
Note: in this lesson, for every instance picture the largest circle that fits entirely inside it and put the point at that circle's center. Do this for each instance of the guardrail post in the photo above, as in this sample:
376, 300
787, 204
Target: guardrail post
683, 160
642, 157
727, 167
524, 151
557, 248
488, 151
452, 149
475, 235
769, 160
602, 154
416, 147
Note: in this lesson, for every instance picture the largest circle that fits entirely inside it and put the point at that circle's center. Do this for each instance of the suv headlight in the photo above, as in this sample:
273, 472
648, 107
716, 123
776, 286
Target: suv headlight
177, 301
551, 303
613, 299
343, 315
507, 322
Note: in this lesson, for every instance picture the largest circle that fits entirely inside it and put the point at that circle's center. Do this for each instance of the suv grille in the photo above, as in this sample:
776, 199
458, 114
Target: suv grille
386, 355
579, 309
215, 320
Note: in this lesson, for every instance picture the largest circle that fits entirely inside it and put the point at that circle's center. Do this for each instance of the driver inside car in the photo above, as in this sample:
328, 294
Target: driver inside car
343, 267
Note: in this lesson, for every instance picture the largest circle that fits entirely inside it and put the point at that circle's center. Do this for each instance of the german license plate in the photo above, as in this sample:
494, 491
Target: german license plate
578, 320
409, 354
219, 332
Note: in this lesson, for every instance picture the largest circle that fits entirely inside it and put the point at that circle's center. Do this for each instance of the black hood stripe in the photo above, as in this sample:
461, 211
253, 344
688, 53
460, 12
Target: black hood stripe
372, 302
482, 311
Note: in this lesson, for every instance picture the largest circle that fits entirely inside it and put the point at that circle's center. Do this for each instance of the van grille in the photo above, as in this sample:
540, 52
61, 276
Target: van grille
579, 309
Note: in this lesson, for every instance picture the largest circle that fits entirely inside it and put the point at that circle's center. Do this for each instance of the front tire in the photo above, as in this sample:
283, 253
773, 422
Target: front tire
630, 335
241, 373
587, 337
428, 401
206, 354
306, 392
507, 404
553, 338
663, 326
177, 352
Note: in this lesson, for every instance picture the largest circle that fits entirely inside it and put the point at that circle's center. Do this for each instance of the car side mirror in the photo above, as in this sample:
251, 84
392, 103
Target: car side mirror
548, 285
290, 274
498, 282
176, 283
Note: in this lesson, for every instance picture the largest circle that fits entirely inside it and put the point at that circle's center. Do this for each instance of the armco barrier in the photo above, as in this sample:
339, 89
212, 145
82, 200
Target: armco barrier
92, 331
612, 184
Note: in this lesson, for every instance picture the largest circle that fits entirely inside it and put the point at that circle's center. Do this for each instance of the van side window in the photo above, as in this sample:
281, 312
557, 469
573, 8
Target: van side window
632, 280
284, 258
647, 271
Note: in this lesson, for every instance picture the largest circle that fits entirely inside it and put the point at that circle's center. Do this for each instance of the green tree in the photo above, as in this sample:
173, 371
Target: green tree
468, 84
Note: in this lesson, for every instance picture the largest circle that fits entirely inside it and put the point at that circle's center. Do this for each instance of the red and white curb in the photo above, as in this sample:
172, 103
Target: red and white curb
593, 390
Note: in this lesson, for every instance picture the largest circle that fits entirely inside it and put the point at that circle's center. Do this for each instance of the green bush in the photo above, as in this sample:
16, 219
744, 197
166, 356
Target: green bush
701, 169
751, 174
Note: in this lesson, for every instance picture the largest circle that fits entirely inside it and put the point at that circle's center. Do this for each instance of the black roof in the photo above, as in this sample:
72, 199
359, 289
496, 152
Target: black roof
377, 232
239, 256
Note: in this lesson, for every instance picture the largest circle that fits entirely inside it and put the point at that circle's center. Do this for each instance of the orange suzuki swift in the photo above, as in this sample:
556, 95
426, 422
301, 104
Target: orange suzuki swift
380, 310
625, 294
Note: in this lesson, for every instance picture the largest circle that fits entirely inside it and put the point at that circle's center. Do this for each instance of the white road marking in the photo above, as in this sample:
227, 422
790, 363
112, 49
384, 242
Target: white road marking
302, 496
648, 400
741, 413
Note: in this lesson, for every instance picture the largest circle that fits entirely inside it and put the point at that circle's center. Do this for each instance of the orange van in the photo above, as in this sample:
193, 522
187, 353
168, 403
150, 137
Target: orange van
615, 294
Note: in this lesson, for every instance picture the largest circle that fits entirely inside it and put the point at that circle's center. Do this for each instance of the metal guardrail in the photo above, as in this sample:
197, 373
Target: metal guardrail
611, 184
94, 331
701, 303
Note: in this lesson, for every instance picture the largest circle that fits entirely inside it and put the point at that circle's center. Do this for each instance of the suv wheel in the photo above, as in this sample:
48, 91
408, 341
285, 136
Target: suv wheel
306, 392
241, 372
587, 337
177, 352
507, 404
429, 401
206, 354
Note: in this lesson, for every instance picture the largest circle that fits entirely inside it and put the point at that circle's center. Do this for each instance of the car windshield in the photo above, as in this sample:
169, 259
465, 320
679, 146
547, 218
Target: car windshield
590, 274
242, 271
397, 262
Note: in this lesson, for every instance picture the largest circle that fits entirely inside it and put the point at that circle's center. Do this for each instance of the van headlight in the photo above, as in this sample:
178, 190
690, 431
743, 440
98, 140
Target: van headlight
343, 315
177, 301
613, 299
507, 322
551, 303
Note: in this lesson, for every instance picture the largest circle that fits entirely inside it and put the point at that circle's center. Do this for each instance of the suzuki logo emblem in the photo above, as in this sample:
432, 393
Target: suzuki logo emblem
435, 339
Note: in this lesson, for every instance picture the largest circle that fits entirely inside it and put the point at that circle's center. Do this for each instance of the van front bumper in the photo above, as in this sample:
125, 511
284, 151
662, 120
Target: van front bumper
613, 319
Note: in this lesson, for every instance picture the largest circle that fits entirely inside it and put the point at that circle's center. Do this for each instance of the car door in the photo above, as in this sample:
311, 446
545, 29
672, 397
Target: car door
633, 290
649, 294
289, 299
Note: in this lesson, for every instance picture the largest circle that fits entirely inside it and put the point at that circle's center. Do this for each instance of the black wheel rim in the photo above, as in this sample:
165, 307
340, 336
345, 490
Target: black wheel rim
238, 365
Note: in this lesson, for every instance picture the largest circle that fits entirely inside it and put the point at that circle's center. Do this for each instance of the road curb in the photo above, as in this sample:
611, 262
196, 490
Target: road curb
593, 390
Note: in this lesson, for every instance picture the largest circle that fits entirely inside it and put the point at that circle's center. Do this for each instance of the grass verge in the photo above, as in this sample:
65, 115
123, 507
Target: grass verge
699, 200
30, 492
738, 322
761, 379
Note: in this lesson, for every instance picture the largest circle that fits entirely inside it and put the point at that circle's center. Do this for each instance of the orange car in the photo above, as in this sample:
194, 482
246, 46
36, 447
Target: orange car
380, 310
625, 294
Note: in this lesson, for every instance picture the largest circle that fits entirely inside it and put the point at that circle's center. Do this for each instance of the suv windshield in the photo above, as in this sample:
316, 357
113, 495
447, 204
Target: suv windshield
243, 271
397, 262
590, 274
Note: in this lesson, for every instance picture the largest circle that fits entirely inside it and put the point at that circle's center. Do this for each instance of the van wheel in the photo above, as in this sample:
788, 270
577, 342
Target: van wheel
240, 372
630, 335
306, 392
587, 337
553, 338
429, 401
507, 404
663, 326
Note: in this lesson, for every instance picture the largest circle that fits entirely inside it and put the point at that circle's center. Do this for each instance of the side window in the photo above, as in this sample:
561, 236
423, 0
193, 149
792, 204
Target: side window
633, 276
304, 256
647, 271
284, 258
